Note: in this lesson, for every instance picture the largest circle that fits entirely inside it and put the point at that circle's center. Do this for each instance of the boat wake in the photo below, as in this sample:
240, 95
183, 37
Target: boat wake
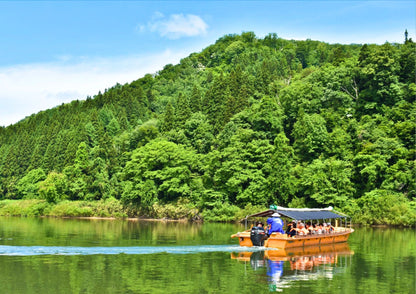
72, 250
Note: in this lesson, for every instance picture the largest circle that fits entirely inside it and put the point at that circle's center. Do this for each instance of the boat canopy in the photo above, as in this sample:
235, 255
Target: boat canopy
301, 213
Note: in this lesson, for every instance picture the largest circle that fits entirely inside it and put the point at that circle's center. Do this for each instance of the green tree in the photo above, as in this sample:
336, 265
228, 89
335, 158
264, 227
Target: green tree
28, 186
143, 134
53, 187
310, 135
199, 132
299, 98
374, 160
168, 121
266, 116
195, 101
243, 168
281, 181
113, 127
77, 174
215, 101
159, 171
407, 60
328, 182
381, 207
379, 81
240, 91
182, 110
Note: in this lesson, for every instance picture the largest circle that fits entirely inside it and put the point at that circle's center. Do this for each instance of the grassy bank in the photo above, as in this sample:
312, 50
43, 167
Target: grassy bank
398, 215
36, 207
115, 209
102, 208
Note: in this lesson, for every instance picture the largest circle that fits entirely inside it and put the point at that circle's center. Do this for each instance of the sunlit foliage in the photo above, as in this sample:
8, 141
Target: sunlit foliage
246, 121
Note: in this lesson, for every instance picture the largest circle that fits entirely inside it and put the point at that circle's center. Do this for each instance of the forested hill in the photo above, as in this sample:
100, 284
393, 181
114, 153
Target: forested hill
246, 122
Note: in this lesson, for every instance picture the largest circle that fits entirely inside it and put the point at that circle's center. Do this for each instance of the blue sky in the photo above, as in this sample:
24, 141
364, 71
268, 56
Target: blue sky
53, 52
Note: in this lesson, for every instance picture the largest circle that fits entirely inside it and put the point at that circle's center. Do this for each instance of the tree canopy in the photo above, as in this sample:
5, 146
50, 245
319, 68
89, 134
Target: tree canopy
246, 121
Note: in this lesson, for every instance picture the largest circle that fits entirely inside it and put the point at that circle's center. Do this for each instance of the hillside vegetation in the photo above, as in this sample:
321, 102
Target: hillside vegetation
246, 123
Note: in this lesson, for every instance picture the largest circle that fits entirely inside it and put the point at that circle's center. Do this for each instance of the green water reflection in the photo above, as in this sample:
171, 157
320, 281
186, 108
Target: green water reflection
98, 232
383, 261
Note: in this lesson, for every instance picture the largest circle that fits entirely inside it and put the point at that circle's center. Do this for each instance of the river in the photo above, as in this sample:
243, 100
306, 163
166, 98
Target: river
48, 255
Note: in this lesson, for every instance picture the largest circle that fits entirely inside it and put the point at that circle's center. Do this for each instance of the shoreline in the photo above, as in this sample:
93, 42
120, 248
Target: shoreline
112, 218
184, 220
114, 210
96, 210
133, 219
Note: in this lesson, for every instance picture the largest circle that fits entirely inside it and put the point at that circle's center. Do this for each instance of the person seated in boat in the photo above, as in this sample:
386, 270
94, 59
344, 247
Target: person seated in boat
290, 228
313, 229
275, 223
331, 229
260, 225
318, 229
296, 229
302, 231
258, 234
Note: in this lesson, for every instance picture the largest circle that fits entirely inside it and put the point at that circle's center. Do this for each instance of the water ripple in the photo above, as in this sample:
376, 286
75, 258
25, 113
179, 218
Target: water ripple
72, 250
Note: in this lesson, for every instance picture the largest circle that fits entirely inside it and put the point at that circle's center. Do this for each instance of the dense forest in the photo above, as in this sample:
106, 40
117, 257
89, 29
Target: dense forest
243, 124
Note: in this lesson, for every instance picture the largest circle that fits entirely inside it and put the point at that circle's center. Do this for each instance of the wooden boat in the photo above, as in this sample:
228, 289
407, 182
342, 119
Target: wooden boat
282, 241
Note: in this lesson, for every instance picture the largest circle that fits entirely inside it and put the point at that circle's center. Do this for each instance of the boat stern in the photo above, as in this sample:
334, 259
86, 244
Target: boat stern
243, 238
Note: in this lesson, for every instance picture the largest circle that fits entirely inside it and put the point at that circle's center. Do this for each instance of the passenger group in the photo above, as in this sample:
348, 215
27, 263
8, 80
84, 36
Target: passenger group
275, 224
299, 228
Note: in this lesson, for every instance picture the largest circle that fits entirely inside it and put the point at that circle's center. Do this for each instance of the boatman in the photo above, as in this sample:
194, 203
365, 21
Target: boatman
258, 235
275, 224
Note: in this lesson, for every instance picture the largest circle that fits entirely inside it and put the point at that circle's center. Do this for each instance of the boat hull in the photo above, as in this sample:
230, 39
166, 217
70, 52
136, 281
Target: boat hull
283, 241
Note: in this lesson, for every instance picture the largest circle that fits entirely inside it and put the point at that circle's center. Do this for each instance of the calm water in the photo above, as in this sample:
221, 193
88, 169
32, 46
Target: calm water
101, 256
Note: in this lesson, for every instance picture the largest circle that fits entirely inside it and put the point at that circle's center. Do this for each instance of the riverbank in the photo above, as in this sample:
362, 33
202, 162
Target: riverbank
180, 211
102, 209
130, 219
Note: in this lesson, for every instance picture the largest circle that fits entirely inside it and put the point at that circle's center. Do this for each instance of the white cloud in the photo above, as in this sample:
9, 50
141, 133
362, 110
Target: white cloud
177, 25
30, 88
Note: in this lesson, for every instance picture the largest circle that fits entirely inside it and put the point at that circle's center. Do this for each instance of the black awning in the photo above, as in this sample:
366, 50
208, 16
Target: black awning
265, 213
301, 213
309, 214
